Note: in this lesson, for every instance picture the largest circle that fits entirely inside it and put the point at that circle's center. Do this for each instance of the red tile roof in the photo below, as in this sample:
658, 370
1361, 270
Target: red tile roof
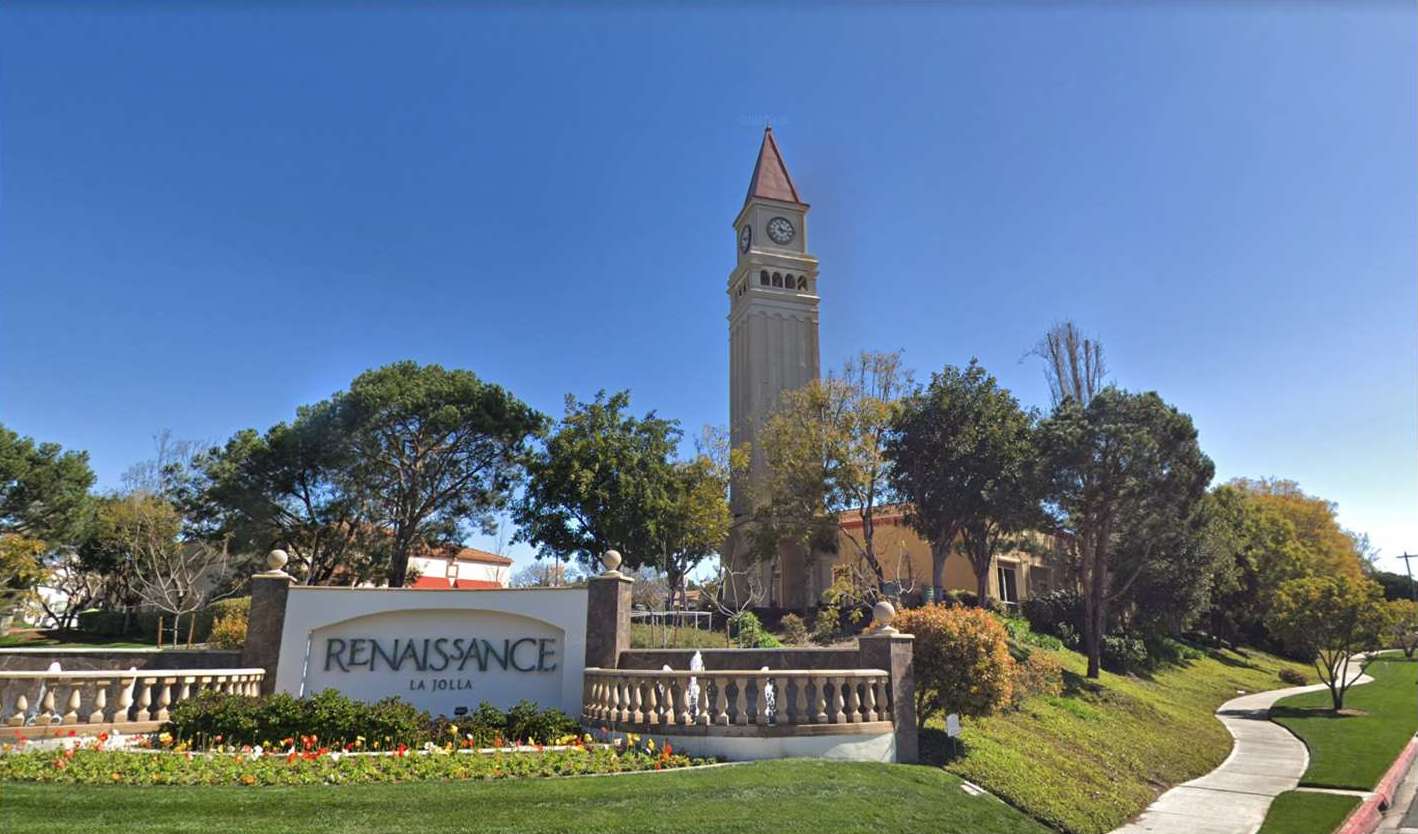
440, 583
770, 176
468, 554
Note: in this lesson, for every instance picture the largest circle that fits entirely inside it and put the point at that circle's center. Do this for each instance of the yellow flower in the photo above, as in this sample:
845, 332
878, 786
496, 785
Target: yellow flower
650, 744
453, 729
165, 738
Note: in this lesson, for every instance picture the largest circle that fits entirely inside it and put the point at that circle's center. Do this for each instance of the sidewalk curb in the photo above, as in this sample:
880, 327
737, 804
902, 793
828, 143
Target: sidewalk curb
1369, 814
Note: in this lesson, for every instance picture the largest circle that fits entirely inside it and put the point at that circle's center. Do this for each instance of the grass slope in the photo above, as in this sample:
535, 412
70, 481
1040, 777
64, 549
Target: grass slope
1354, 751
1299, 812
1089, 760
780, 796
64, 640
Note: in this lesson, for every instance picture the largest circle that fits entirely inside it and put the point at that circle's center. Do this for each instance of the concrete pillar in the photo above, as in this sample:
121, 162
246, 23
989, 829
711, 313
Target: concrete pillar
608, 615
269, 592
892, 651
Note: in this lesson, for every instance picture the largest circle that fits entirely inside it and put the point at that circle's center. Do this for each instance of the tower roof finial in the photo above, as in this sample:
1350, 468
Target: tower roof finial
770, 175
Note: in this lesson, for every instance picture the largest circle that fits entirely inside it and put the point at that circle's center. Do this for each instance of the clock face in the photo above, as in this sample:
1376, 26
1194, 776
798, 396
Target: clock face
781, 230
745, 237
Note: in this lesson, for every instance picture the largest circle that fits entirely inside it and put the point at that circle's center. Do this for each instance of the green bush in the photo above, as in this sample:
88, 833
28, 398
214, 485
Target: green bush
1059, 613
825, 629
143, 625
328, 715
794, 630
1021, 633
1124, 654
749, 633
961, 599
1294, 677
229, 629
527, 722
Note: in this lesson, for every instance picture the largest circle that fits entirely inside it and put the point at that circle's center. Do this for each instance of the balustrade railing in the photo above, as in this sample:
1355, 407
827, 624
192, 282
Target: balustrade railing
667, 699
111, 697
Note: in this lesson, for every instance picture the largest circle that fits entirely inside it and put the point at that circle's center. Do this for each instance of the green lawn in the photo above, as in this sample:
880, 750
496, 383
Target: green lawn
1354, 751
1300, 812
781, 796
64, 640
1089, 760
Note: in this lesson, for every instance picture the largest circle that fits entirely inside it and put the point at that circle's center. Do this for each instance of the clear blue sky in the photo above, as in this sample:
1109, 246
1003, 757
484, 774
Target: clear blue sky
210, 215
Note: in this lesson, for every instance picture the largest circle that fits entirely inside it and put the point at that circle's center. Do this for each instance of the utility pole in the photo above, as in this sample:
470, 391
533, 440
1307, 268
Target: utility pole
1408, 563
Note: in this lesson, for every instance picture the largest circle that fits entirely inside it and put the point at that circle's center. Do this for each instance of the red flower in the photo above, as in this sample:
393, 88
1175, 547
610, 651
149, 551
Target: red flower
73, 733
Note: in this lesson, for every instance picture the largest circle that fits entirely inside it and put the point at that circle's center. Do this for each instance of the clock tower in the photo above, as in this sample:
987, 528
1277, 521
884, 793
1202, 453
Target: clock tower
773, 346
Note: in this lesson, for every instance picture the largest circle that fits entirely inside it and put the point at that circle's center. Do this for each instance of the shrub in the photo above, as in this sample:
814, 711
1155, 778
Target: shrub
966, 599
1124, 654
749, 633
527, 722
229, 628
962, 660
1021, 633
1059, 613
824, 627
1294, 677
794, 630
1038, 674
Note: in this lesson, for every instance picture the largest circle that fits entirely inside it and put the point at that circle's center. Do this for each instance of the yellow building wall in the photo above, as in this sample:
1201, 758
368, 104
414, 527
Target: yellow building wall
906, 558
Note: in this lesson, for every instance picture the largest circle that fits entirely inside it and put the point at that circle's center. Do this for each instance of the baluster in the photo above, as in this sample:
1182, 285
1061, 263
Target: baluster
47, 714
819, 687
799, 713
72, 702
701, 706
186, 691
125, 700
869, 693
614, 714
654, 702
165, 697
721, 701
144, 689
854, 704
682, 701
22, 706
740, 712
838, 716
637, 715
603, 695
99, 713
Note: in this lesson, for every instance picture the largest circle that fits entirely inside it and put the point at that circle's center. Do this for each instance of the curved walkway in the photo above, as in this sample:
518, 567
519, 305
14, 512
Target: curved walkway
1266, 760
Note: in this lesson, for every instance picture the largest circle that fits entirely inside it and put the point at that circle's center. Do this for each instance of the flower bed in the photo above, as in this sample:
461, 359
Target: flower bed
307, 762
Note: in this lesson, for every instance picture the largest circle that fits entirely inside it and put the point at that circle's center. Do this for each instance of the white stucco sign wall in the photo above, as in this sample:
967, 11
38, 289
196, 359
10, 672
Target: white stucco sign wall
438, 650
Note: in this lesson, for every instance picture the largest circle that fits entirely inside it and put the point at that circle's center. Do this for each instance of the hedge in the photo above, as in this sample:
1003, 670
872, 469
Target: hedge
143, 624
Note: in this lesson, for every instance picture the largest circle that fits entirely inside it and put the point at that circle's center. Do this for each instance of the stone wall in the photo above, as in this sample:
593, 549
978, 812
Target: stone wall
83, 660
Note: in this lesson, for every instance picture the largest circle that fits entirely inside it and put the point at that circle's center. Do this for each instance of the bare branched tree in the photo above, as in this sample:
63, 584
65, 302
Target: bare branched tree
1073, 363
74, 588
175, 575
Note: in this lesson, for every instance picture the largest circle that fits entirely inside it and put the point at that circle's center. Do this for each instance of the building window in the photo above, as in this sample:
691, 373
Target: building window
763, 277
777, 279
802, 283
1008, 588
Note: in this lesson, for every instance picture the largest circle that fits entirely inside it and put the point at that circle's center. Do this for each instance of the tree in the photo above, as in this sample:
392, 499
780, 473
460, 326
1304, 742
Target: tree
694, 522
21, 571
292, 488
44, 490
1402, 625
1330, 619
824, 455
433, 450
1124, 467
598, 483
543, 573
962, 459
1073, 364
173, 573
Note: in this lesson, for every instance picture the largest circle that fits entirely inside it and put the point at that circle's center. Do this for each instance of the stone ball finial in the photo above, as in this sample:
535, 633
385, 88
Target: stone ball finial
611, 560
276, 559
882, 613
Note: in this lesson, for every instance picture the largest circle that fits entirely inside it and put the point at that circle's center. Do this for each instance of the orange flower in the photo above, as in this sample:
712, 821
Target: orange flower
246, 779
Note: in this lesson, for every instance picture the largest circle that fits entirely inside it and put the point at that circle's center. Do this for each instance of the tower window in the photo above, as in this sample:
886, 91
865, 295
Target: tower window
802, 283
763, 277
788, 281
777, 279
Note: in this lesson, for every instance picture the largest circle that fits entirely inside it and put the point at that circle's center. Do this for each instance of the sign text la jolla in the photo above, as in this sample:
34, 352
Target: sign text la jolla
441, 654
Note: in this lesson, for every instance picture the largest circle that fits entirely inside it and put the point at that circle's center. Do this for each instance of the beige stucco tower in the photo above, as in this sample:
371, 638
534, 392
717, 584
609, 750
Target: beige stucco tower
773, 324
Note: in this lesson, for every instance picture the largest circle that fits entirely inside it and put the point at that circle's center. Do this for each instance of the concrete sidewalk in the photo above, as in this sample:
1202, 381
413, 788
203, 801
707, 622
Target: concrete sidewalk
1233, 799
